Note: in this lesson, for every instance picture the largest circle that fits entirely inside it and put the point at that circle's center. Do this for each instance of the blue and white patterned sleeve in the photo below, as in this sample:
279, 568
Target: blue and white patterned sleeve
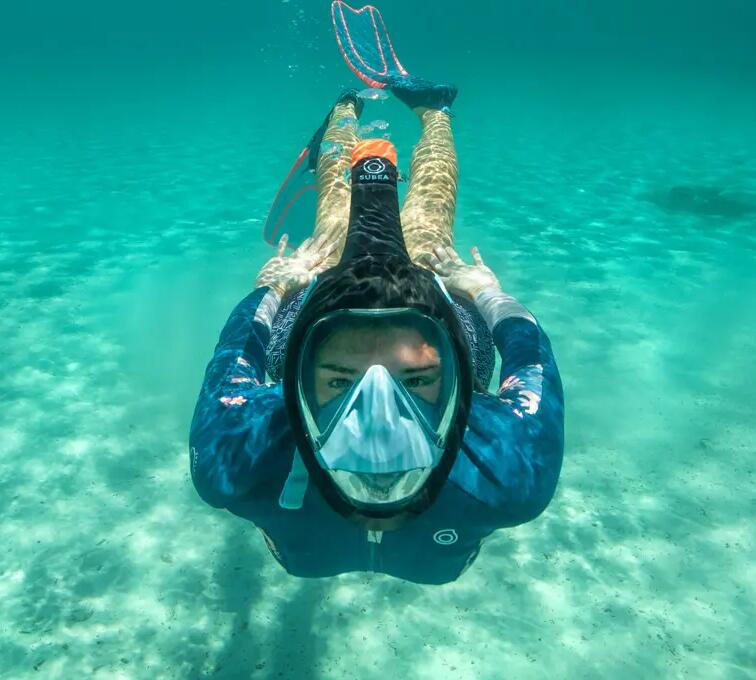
515, 438
238, 420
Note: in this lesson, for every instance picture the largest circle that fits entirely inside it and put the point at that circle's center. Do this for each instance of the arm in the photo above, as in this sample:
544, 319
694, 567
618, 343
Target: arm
240, 424
237, 417
514, 440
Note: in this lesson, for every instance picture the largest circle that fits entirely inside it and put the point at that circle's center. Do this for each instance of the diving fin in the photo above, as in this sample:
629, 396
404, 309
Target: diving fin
365, 44
295, 205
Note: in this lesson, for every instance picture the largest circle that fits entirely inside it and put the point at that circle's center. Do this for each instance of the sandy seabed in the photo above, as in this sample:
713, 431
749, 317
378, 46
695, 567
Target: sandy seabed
120, 257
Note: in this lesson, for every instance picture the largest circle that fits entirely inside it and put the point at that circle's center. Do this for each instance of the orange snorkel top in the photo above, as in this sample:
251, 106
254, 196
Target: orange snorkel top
372, 148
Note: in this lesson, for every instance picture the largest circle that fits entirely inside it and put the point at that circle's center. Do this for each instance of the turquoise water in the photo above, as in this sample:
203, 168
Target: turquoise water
140, 148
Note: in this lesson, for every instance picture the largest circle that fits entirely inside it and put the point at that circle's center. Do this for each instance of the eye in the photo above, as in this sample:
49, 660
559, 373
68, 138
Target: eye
418, 381
339, 383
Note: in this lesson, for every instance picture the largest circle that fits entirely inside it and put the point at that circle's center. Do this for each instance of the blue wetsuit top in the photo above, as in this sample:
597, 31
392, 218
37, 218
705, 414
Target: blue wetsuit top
242, 450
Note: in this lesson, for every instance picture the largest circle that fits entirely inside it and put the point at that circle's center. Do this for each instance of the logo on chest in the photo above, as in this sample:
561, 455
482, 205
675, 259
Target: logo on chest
445, 536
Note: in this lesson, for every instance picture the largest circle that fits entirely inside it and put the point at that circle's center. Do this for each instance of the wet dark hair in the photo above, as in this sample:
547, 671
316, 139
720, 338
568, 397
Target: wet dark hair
374, 283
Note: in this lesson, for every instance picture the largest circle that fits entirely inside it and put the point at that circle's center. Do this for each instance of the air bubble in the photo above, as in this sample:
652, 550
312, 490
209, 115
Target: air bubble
331, 149
347, 122
374, 94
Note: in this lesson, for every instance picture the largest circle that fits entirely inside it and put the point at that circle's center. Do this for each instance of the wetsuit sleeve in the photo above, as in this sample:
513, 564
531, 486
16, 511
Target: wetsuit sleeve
515, 438
238, 419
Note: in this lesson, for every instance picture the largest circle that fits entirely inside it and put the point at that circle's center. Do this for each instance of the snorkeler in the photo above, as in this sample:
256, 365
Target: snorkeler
377, 446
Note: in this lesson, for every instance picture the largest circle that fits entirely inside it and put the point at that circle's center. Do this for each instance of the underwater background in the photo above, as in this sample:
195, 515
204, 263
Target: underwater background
607, 156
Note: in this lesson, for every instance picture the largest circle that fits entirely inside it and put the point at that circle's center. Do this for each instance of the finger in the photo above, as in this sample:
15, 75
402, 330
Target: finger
304, 245
313, 245
430, 258
330, 249
476, 256
453, 255
320, 256
282, 245
321, 247
441, 268
319, 241
441, 253
427, 261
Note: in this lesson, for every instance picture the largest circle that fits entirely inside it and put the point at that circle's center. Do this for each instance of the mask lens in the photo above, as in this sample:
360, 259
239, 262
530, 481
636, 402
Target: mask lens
377, 391
339, 350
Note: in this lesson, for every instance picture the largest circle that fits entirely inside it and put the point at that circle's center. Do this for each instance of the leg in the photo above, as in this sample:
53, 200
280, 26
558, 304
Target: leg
428, 210
334, 192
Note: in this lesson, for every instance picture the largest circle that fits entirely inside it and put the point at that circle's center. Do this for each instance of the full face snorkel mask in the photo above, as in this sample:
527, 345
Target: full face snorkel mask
377, 433
378, 417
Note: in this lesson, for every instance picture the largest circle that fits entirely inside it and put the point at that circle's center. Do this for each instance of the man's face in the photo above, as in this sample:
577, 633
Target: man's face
346, 355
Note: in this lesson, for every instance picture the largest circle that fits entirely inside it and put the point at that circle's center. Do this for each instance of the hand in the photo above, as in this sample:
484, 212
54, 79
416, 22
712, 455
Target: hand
288, 274
468, 279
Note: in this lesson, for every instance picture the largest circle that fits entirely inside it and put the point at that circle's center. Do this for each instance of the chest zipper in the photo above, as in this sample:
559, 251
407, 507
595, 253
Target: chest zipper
374, 538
